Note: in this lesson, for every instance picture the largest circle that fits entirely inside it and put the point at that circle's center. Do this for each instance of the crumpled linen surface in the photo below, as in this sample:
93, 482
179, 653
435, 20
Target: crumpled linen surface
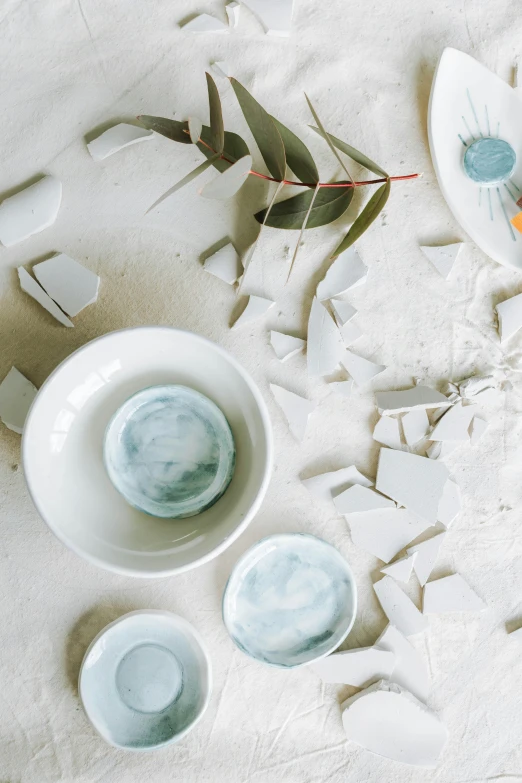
70, 68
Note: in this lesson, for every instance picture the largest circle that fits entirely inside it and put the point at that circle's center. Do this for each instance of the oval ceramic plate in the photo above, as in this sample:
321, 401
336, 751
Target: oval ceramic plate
290, 600
145, 680
169, 451
474, 131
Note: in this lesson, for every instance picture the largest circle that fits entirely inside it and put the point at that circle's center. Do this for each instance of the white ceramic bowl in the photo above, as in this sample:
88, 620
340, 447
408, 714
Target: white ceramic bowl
145, 680
62, 451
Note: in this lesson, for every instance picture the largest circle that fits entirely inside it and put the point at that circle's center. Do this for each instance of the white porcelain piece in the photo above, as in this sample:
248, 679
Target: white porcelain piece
204, 23
443, 257
117, 138
358, 667
325, 345
384, 532
256, 307
30, 211
285, 345
228, 183
410, 670
390, 402
274, 15
388, 432
347, 271
401, 569
16, 397
70, 284
399, 608
362, 370
29, 285
326, 486
427, 553
357, 499
296, 409
450, 594
417, 483
225, 264
415, 425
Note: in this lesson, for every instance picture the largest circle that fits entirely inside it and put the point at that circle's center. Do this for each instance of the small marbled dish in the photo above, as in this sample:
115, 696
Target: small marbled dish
169, 451
290, 600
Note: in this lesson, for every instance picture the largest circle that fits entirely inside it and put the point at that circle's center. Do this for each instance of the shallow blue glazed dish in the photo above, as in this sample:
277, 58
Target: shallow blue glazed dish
169, 451
290, 600
145, 680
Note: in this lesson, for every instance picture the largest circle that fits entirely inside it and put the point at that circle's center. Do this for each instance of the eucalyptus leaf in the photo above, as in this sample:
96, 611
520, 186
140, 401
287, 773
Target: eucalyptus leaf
235, 148
185, 181
326, 137
216, 116
172, 129
263, 130
364, 220
329, 204
358, 157
298, 155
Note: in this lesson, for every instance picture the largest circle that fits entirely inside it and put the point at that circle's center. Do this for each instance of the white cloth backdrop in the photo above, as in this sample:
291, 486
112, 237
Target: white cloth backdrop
71, 66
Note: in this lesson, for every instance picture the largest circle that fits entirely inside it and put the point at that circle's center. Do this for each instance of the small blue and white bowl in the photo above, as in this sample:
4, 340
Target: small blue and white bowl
290, 600
145, 680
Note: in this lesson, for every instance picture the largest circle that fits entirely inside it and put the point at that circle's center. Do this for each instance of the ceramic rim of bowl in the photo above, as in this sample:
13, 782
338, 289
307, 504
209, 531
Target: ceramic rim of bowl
242, 525
180, 621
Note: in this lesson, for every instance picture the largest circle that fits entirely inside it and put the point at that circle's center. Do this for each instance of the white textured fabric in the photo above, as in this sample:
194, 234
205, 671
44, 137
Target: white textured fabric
69, 68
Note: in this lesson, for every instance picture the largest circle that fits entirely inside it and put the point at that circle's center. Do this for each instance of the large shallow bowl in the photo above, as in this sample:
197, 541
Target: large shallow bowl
62, 450
145, 680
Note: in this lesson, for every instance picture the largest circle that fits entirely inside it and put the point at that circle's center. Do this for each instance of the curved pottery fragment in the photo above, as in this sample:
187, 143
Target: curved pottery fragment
474, 122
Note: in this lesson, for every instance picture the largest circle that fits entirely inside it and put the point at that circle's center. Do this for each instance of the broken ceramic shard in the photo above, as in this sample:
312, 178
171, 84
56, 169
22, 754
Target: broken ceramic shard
233, 10
256, 307
388, 432
450, 594
475, 385
16, 396
295, 408
417, 483
384, 532
230, 181
285, 345
401, 569
358, 667
345, 388
509, 315
410, 670
221, 69
477, 428
347, 271
440, 449
326, 486
195, 127
450, 503
443, 257
225, 264
427, 553
399, 609
350, 332
454, 425
204, 23
516, 634
324, 344
29, 285
117, 138
30, 210
356, 499
70, 284
423, 397
274, 15
343, 311
361, 370
389, 721
415, 426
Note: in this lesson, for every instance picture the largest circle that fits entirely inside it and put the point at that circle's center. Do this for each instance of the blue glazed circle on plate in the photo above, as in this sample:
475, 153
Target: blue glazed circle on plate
489, 161
169, 451
290, 600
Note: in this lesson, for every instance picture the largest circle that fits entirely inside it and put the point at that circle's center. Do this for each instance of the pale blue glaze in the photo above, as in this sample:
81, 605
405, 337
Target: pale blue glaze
290, 600
489, 161
170, 452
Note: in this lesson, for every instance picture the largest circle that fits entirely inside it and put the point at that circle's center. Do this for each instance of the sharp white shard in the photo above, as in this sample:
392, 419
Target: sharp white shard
29, 285
427, 553
256, 307
410, 670
117, 138
274, 15
454, 425
16, 396
195, 127
361, 370
356, 499
347, 271
230, 181
70, 284
440, 450
358, 667
477, 429
450, 503
417, 483
388, 432
509, 317
401, 569
285, 345
471, 387
384, 532
233, 10
295, 408
443, 257
452, 398
450, 594
326, 486
342, 387
398, 608
343, 311
225, 264
422, 397
325, 345
516, 634
415, 425
221, 69
389, 721
204, 23
350, 333
30, 211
